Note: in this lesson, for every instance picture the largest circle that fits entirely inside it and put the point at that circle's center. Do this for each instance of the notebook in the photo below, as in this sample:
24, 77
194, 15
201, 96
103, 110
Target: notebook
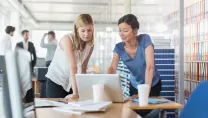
152, 100
78, 112
89, 106
86, 103
80, 107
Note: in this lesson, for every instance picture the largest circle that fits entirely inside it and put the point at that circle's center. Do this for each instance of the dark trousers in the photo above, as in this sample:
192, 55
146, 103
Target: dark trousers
32, 68
155, 91
48, 63
29, 97
54, 90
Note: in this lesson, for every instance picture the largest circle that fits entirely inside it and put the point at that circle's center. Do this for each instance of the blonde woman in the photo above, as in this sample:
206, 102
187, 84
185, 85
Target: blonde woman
71, 57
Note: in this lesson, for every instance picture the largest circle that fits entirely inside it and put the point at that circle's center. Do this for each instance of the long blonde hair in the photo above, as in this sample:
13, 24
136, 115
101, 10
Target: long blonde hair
81, 21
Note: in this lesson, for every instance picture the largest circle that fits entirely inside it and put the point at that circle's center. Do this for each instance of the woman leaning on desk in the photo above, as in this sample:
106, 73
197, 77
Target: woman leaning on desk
71, 57
137, 53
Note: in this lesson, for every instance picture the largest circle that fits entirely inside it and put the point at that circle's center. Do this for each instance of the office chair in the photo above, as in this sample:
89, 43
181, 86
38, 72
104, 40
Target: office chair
196, 106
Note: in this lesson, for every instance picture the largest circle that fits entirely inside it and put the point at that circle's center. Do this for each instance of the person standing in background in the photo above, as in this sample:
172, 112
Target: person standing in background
29, 46
6, 43
51, 46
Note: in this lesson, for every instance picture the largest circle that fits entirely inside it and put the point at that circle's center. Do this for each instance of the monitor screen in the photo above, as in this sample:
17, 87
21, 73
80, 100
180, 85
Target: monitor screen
18, 83
2, 64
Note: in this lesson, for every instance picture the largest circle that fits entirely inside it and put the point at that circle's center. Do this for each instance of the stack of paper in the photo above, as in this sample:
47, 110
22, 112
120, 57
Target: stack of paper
84, 106
48, 103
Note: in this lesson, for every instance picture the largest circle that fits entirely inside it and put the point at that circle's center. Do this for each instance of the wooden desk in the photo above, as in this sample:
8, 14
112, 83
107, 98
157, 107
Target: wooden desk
116, 110
169, 105
113, 111
135, 105
163, 106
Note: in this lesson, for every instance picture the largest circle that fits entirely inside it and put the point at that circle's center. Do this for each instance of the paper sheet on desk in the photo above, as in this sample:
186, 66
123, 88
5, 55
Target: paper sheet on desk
84, 106
78, 112
48, 103
29, 114
152, 100
90, 107
86, 103
29, 108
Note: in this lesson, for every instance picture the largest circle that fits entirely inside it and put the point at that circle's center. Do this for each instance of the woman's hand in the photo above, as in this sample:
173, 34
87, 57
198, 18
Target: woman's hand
134, 96
71, 97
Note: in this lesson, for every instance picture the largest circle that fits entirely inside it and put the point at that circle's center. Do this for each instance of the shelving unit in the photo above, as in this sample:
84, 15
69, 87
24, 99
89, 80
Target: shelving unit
195, 44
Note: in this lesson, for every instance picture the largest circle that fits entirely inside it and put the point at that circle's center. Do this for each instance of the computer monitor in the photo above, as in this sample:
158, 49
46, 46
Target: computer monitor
5, 89
111, 81
2, 64
17, 82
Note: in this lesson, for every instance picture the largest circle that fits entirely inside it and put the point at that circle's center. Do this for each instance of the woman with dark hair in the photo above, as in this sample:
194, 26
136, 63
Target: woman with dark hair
137, 53
6, 43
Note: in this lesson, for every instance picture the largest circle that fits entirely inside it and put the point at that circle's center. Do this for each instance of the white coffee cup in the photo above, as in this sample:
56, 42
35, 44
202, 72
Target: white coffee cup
100, 93
143, 92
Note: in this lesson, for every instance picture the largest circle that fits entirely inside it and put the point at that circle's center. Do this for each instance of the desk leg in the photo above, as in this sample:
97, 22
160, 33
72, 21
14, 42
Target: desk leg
34, 86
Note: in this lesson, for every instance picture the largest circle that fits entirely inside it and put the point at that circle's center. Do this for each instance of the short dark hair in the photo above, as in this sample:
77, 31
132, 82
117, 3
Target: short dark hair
9, 29
24, 31
52, 33
130, 19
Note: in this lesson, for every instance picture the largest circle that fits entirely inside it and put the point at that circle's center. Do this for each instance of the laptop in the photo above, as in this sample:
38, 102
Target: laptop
111, 81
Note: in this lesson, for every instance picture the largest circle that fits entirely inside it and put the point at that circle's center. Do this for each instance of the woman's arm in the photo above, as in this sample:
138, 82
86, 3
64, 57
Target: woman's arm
149, 56
85, 63
114, 64
66, 45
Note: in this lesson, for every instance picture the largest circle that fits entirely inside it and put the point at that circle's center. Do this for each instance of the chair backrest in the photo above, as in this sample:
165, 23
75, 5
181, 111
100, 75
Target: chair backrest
196, 106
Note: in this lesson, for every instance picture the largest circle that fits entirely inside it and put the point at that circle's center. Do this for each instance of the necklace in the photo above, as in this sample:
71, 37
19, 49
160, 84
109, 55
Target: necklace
130, 47
132, 54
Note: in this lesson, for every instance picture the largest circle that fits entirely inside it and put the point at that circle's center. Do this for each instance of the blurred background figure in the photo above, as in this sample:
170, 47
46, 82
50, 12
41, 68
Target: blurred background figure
50, 46
27, 45
6, 43
23, 61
